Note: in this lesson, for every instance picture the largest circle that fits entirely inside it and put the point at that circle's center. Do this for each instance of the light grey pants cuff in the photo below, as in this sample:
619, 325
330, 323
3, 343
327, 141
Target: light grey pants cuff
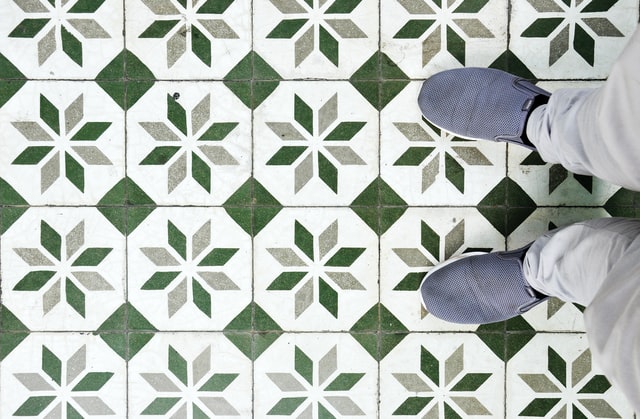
595, 131
596, 263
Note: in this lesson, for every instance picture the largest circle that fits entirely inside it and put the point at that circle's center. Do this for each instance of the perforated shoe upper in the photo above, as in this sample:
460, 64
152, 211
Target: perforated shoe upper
479, 103
479, 289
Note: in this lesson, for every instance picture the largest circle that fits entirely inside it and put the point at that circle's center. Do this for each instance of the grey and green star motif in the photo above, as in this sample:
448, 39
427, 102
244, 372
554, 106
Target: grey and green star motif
62, 143
316, 260
447, 35
311, 32
189, 268
572, 24
57, 24
441, 389
314, 150
438, 151
63, 267
433, 248
72, 389
330, 389
190, 144
189, 25
562, 378
191, 389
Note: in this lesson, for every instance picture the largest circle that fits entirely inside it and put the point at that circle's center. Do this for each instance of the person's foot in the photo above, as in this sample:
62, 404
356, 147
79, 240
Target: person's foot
481, 103
479, 288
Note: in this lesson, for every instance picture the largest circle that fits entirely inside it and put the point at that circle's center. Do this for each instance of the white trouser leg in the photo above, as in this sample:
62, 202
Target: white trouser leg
596, 263
595, 131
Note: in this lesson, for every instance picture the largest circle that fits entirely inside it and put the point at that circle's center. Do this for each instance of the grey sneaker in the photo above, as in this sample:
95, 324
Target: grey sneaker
479, 288
481, 103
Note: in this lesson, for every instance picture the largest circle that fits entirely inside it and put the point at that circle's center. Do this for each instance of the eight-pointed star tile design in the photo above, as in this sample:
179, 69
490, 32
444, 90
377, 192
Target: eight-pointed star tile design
312, 36
60, 37
200, 263
195, 39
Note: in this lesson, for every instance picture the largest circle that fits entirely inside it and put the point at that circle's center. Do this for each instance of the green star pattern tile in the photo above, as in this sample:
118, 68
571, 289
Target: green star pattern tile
224, 208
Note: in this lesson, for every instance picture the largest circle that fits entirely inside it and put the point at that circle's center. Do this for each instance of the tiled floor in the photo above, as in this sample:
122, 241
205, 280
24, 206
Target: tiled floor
219, 208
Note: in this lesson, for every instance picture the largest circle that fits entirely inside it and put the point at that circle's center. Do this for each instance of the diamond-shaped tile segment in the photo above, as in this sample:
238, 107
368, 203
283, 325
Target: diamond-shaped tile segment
63, 375
11, 80
555, 375
441, 375
252, 80
125, 79
71, 40
253, 331
379, 80
13, 332
126, 331
379, 206
126, 194
14, 205
506, 206
315, 375
252, 207
378, 331
189, 39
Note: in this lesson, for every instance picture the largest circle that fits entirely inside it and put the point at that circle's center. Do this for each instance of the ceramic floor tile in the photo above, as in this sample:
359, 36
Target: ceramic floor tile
318, 143
61, 39
190, 375
189, 269
196, 137
420, 239
224, 208
62, 269
571, 40
63, 375
315, 39
428, 166
554, 376
315, 375
316, 269
191, 39
441, 376
425, 36
64, 143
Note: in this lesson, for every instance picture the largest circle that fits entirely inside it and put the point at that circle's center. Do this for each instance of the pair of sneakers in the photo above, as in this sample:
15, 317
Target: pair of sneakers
487, 104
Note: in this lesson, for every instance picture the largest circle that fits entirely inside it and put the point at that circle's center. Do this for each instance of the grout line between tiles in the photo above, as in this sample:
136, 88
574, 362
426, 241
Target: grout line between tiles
126, 211
253, 259
379, 111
